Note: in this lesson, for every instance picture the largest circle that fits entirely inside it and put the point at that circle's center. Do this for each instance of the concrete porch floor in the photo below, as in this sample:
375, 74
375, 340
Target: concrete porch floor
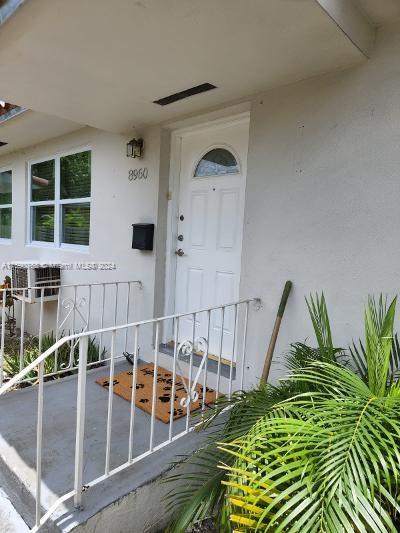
18, 449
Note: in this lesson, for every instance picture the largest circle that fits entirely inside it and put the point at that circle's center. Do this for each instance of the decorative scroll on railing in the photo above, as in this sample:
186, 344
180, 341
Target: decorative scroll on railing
28, 329
221, 372
186, 350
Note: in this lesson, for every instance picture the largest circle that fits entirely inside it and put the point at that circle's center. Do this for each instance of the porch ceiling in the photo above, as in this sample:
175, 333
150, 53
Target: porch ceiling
381, 11
104, 63
30, 127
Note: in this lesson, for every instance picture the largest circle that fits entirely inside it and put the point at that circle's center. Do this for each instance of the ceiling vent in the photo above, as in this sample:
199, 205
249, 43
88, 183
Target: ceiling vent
204, 87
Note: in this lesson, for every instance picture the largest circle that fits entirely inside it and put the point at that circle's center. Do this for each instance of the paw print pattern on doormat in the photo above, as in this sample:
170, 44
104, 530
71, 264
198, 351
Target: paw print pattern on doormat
144, 391
106, 383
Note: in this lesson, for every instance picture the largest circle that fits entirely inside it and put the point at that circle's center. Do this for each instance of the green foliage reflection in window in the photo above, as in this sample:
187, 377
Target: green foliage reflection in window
5, 204
217, 162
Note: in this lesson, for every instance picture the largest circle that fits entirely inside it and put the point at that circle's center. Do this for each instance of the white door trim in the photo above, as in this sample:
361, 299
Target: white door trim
173, 204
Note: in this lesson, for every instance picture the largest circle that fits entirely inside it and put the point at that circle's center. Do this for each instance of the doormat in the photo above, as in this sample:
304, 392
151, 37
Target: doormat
144, 391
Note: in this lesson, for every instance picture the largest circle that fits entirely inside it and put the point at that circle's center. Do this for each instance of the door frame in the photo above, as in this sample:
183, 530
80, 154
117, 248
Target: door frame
173, 197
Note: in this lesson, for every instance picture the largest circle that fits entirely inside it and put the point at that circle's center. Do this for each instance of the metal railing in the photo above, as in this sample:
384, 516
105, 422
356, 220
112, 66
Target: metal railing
30, 317
223, 327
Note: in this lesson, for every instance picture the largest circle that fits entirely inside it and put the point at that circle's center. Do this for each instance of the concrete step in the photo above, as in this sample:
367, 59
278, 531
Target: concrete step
10, 520
136, 491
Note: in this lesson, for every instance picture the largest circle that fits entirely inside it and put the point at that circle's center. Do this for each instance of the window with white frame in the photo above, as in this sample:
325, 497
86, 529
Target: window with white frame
5, 204
60, 200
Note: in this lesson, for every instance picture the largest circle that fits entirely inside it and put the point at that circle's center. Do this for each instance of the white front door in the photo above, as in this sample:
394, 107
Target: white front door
210, 227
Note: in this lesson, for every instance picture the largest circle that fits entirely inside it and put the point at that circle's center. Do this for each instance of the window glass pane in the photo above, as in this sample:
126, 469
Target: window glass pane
5, 223
217, 162
5, 187
43, 223
75, 176
42, 181
76, 223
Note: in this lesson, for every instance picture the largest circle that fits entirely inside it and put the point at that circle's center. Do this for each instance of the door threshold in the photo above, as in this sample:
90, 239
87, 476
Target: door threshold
224, 361
212, 365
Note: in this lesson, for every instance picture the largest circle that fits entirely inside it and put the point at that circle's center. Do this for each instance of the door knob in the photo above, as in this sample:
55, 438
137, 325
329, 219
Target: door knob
180, 238
180, 252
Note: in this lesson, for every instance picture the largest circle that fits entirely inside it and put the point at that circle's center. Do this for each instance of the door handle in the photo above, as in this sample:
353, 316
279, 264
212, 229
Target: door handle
180, 252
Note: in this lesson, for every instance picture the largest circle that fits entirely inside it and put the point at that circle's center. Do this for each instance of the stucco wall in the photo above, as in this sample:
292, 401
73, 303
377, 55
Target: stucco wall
322, 202
323, 197
116, 203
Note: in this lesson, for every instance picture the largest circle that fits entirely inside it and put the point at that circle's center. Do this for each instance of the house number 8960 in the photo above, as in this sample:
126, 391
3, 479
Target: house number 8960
138, 174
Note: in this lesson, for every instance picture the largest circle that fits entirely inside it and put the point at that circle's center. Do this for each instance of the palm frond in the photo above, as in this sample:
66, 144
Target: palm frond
358, 358
379, 321
318, 452
322, 329
333, 467
395, 358
189, 501
198, 493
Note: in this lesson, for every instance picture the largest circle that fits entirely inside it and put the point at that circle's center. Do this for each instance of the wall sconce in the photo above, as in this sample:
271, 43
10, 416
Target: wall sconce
134, 148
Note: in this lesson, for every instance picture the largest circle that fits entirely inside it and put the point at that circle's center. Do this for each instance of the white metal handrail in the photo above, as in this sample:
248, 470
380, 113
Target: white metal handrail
74, 304
237, 360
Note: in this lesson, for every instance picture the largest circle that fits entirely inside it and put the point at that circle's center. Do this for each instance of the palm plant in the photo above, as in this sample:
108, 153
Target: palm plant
200, 492
31, 353
326, 459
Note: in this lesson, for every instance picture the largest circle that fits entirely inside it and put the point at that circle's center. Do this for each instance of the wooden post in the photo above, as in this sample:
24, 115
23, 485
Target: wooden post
270, 352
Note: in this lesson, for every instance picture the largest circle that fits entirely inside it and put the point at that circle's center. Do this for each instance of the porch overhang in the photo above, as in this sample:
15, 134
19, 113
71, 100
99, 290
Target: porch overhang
8, 8
24, 127
104, 64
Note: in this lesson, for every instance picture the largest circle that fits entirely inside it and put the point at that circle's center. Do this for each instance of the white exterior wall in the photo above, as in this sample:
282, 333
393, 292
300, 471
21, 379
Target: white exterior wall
323, 198
322, 202
116, 203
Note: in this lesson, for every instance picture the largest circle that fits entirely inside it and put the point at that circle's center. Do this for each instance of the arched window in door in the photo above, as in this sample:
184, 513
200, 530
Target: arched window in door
217, 162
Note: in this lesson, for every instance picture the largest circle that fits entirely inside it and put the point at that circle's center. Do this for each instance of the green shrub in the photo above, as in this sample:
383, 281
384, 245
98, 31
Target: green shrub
200, 493
326, 460
67, 356
319, 452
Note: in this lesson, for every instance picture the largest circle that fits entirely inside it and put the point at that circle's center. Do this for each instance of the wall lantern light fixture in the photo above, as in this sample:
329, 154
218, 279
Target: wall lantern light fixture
134, 148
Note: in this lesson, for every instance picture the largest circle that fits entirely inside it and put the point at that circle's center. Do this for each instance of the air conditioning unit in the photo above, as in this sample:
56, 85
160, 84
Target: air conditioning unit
35, 278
